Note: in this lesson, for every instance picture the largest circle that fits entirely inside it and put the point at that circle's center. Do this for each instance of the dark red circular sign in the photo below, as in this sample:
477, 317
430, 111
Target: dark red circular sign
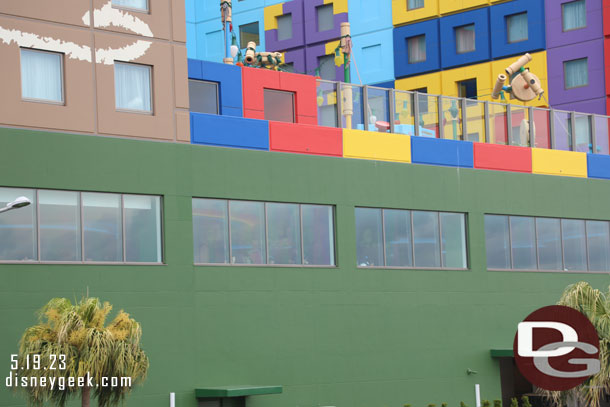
549, 328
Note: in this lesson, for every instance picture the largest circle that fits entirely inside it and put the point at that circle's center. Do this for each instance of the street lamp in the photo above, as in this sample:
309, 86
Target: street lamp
17, 203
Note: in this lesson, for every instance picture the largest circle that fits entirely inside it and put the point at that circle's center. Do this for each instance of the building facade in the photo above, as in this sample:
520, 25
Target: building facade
286, 240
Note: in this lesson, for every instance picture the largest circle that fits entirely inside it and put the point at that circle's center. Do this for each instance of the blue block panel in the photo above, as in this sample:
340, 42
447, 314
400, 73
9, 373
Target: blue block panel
367, 16
448, 25
228, 131
209, 42
536, 39
598, 166
430, 29
228, 78
373, 54
451, 153
191, 40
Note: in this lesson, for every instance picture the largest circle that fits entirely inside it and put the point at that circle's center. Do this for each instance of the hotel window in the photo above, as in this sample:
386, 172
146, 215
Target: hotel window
138, 5
516, 27
71, 226
249, 232
325, 17
417, 49
284, 27
576, 73
410, 239
132, 87
279, 105
422, 101
468, 88
203, 96
465, 39
574, 15
247, 33
41, 75
549, 244
327, 67
415, 4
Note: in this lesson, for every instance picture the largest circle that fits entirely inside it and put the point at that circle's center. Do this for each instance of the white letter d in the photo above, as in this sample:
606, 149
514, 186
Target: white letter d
525, 338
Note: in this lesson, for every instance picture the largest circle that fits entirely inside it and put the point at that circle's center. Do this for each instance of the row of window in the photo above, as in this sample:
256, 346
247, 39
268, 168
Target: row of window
68, 226
247, 232
527, 243
42, 80
401, 238
71, 226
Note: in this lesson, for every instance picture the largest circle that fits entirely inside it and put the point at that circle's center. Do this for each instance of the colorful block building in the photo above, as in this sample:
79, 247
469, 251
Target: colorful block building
286, 240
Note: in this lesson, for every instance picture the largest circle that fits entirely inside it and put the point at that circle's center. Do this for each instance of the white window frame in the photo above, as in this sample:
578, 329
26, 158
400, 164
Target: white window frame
61, 102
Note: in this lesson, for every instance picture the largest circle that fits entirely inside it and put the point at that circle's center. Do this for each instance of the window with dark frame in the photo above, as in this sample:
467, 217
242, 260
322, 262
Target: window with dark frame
465, 39
325, 17
467, 88
416, 48
42, 75
517, 28
576, 73
249, 32
573, 15
284, 27
203, 97
279, 106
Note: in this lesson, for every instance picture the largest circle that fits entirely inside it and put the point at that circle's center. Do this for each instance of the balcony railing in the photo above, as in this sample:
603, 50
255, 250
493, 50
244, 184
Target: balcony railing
437, 116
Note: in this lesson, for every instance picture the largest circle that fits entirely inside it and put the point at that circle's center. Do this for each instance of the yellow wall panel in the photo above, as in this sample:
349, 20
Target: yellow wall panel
482, 73
537, 66
270, 13
432, 81
453, 6
557, 162
400, 14
376, 146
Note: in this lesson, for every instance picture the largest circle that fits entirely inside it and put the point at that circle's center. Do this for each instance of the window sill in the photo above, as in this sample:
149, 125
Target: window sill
81, 263
291, 266
410, 268
548, 271
47, 101
142, 112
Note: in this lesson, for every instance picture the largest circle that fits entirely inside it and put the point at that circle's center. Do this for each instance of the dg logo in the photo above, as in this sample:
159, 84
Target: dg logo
556, 348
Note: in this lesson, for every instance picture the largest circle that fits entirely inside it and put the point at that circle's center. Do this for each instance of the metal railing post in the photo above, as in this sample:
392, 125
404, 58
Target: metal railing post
532, 129
552, 128
593, 135
573, 130
486, 121
416, 113
464, 104
365, 106
392, 110
509, 126
339, 94
441, 116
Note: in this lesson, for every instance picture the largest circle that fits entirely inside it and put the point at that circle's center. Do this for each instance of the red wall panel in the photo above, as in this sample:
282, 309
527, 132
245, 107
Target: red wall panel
307, 139
503, 158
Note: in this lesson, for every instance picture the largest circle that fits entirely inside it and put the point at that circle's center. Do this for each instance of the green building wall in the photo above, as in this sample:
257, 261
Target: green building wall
343, 336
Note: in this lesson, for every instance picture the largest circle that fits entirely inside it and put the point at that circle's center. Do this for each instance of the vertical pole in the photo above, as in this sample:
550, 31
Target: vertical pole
593, 134
532, 129
486, 121
338, 106
416, 113
365, 106
392, 107
573, 130
552, 127
226, 16
346, 46
441, 115
172, 400
464, 119
477, 395
509, 126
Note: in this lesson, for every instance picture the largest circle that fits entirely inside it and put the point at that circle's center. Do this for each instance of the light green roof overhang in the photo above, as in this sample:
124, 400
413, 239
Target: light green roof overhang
236, 391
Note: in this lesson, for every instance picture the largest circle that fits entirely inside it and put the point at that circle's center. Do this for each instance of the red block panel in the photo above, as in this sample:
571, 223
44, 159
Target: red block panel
307, 139
255, 80
606, 14
502, 158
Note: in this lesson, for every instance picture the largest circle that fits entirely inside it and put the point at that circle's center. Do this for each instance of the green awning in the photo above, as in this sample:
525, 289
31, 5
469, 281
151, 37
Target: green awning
501, 353
236, 391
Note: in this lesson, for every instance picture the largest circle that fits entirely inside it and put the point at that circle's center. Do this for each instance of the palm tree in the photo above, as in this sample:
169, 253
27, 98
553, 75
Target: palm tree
92, 350
596, 306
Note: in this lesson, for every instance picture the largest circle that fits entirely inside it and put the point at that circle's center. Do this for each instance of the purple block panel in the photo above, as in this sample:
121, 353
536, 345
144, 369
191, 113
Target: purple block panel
294, 7
594, 106
556, 37
297, 57
312, 34
594, 52
312, 53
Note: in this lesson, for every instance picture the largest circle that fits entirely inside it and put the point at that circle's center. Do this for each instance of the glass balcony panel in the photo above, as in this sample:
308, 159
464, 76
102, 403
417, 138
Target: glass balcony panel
327, 103
404, 114
542, 135
379, 109
428, 115
452, 118
520, 126
475, 121
498, 132
601, 134
561, 129
351, 107
582, 126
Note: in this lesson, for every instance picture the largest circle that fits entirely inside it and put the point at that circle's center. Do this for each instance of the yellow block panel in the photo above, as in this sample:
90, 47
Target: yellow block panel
482, 73
453, 6
537, 66
400, 14
270, 13
431, 81
371, 145
557, 162
339, 6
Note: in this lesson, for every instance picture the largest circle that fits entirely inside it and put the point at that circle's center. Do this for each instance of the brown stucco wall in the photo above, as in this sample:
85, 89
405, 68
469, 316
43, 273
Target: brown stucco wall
89, 90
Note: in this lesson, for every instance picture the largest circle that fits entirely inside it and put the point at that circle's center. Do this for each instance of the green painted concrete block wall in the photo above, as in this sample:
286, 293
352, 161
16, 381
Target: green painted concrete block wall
343, 336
